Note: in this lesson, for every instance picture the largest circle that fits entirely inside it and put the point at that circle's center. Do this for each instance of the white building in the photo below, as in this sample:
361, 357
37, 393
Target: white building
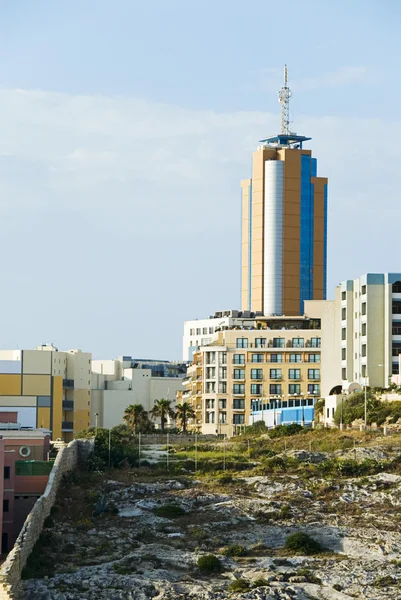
199, 332
370, 328
123, 381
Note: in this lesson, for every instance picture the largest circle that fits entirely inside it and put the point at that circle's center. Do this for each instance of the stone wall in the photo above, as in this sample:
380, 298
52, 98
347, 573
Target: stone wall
68, 458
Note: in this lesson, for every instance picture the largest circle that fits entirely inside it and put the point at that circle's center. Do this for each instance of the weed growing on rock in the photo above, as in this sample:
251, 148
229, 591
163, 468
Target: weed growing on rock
209, 563
239, 585
260, 583
302, 543
169, 511
234, 550
385, 581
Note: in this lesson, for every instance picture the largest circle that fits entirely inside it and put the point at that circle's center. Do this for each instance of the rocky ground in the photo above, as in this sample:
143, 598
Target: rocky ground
148, 548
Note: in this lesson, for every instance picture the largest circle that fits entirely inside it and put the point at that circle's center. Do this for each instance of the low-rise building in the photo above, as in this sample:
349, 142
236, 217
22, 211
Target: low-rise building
125, 380
48, 388
24, 462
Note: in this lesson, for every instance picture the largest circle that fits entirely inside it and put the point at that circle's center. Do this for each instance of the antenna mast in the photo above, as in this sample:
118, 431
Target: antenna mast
284, 96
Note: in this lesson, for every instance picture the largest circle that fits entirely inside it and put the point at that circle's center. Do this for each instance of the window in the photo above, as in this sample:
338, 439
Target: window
275, 389
210, 358
6, 472
343, 333
222, 372
222, 404
298, 342
314, 358
343, 353
256, 374
363, 328
343, 374
328, 413
222, 358
294, 374
396, 330
211, 330
210, 387
192, 332
256, 389
238, 419
396, 308
314, 374
364, 308
198, 331
363, 371
6, 506
210, 372
343, 295
278, 343
276, 358
364, 347
343, 314
313, 388
315, 342
294, 388
204, 331
363, 290
242, 342
238, 404
222, 417
209, 417
239, 374
295, 358
260, 343
239, 359
209, 404
275, 374
257, 358
222, 387
239, 388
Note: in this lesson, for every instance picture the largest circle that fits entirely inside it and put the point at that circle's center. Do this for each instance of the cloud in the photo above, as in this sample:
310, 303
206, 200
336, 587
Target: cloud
118, 202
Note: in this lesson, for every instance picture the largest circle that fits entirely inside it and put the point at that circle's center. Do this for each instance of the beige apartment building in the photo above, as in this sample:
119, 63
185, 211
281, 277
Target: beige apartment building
270, 371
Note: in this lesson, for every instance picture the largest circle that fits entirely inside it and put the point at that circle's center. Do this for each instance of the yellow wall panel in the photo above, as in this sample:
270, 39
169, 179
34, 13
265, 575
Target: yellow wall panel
44, 418
57, 407
81, 400
81, 420
10, 385
37, 385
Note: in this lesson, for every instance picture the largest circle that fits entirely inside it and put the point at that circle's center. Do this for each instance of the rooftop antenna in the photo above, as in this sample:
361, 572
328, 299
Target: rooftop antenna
284, 96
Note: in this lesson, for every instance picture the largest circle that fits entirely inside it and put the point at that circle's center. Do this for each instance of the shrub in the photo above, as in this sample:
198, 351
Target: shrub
285, 511
302, 543
209, 563
385, 581
286, 430
198, 533
169, 511
234, 550
260, 583
239, 585
309, 576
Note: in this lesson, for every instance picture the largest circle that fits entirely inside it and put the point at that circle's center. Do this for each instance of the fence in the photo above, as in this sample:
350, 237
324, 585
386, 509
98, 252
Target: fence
67, 459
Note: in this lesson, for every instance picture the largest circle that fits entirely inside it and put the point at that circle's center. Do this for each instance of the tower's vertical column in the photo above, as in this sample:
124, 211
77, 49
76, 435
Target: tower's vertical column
246, 231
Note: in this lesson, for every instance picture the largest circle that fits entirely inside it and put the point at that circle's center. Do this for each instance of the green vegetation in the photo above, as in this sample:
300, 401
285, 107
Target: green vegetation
353, 408
137, 419
113, 448
209, 563
234, 550
162, 409
169, 511
309, 576
239, 585
302, 543
184, 412
41, 561
286, 430
260, 583
385, 581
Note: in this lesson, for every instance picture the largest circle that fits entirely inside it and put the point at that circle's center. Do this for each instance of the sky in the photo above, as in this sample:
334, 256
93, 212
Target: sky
125, 129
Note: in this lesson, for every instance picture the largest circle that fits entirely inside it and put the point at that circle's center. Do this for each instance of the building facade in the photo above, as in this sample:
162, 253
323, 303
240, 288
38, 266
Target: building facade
49, 389
198, 332
269, 372
284, 228
370, 316
125, 380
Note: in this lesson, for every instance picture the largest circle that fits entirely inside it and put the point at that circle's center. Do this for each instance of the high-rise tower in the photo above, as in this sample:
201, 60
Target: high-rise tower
284, 224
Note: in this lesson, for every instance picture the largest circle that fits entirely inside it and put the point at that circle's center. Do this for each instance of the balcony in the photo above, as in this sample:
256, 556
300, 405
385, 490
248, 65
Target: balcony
276, 377
68, 404
68, 384
67, 426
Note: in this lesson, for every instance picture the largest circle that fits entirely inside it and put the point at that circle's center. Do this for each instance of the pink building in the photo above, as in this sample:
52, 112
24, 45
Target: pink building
24, 462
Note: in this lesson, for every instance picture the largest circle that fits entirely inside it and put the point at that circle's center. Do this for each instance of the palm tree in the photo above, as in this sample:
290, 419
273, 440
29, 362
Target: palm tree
185, 412
135, 417
162, 409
